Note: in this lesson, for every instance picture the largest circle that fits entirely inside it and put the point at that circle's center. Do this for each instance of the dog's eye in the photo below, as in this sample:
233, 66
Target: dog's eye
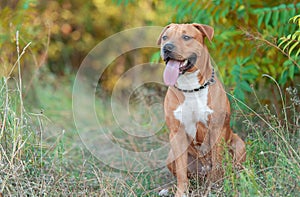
185, 37
165, 37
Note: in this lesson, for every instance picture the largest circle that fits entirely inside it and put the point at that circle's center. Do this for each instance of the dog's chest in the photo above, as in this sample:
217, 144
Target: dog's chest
194, 107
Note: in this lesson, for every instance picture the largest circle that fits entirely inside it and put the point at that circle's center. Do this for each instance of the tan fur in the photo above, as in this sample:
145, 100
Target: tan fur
202, 155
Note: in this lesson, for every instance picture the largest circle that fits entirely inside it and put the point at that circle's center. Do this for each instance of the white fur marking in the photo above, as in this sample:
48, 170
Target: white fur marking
194, 108
164, 192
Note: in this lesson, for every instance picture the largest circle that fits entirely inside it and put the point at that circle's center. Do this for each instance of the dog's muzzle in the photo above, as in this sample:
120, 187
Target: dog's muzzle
169, 53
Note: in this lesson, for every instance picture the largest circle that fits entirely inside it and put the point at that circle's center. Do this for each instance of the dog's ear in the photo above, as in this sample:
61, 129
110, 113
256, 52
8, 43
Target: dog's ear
208, 31
162, 33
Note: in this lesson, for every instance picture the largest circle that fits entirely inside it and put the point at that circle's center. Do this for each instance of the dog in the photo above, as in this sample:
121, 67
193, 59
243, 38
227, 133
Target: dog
197, 110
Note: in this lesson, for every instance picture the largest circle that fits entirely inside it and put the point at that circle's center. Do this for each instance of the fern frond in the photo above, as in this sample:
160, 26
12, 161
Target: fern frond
291, 43
295, 19
272, 16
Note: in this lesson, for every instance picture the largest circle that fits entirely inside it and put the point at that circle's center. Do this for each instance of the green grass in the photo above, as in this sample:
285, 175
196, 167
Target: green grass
46, 155
43, 153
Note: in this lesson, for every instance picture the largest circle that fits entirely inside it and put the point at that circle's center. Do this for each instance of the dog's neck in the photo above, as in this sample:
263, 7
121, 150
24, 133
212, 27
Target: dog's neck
197, 77
190, 82
205, 67
206, 75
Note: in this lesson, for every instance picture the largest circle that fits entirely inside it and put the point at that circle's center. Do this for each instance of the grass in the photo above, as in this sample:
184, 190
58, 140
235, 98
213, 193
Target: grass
41, 152
46, 157
41, 159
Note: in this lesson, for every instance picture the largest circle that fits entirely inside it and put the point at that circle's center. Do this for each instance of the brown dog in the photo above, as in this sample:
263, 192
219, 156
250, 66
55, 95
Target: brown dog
197, 110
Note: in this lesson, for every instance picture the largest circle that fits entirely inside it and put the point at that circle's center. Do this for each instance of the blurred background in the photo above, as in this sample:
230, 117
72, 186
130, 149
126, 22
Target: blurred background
245, 46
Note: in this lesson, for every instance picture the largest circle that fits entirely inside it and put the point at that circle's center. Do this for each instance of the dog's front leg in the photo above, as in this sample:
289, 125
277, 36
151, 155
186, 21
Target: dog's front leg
217, 129
179, 145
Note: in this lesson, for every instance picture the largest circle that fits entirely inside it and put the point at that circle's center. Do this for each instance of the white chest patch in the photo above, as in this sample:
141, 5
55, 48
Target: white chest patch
194, 108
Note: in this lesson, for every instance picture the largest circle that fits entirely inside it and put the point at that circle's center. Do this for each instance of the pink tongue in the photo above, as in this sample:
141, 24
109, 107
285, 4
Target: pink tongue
171, 72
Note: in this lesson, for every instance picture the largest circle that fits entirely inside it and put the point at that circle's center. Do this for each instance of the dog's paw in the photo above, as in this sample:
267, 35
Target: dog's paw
163, 192
180, 195
205, 169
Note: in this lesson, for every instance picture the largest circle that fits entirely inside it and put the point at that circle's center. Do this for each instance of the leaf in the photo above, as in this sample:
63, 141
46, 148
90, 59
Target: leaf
287, 45
294, 36
268, 16
287, 63
284, 16
297, 33
225, 12
245, 86
272, 70
232, 5
260, 19
292, 9
281, 6
293, 46
295, 18
245, 60
275, 17
291, 71
155, 57
298, 52
217, 14
249, 76
283, 77
280, 29
284, 39
239, 94
236, 70
235, 74
248, 68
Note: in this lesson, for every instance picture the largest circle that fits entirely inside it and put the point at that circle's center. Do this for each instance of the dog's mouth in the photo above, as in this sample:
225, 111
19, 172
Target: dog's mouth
184, 64
175, 67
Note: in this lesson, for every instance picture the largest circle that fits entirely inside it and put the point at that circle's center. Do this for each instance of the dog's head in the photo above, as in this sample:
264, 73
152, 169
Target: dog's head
182, 46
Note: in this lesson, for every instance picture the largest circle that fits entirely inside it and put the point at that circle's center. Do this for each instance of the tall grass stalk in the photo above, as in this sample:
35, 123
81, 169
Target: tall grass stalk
268, 123
273, 163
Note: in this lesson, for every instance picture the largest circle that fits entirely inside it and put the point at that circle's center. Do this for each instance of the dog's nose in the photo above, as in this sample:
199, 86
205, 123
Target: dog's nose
168, 47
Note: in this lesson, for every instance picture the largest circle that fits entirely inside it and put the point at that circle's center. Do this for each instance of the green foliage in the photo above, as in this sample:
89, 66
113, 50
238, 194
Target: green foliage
186, 11
18, 16
276, 16
72, 35
244, 73
290, 45
155, 58
63, 32
291, 42
289, 71
272, 164
125, 2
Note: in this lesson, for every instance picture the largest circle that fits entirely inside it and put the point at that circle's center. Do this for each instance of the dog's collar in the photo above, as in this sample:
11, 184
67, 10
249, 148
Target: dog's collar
211, 81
